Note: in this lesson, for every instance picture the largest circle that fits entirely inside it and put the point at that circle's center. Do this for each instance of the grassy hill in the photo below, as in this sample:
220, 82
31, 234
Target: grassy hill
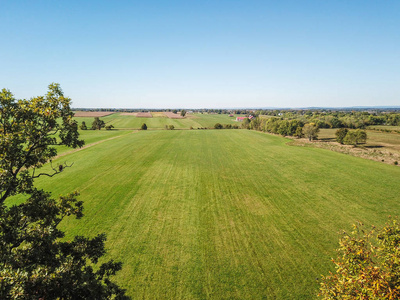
221, 214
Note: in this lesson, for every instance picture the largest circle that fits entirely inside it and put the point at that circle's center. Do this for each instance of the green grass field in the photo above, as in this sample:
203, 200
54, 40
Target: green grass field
222, 214
132, 122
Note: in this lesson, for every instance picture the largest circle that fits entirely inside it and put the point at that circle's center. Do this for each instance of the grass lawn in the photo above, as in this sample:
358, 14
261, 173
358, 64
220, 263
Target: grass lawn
222, 214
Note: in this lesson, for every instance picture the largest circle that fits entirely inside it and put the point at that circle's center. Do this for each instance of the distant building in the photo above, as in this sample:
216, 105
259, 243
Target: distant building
240, 119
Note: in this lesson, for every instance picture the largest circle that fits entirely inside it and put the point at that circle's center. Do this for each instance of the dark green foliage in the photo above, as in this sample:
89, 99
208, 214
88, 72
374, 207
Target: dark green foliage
311, 131
299, 132
143, 127
109, 127
83, 125
183, 112
355, 137
98, 124
34, 262
218, 126
341, 134
171, 127
245, 123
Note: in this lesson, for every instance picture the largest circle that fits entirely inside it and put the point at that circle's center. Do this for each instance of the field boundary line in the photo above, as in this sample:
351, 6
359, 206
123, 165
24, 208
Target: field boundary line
90, 145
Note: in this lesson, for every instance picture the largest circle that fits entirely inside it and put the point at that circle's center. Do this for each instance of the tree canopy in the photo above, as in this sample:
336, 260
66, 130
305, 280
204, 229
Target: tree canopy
367, 266
35, 263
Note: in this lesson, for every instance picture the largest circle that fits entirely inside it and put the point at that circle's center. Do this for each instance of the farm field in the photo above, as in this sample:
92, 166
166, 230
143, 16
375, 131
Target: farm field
158, 121
221, 214
376, 139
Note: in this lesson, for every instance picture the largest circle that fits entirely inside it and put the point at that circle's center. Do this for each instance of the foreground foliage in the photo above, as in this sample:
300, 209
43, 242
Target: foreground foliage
34, 262
368, 265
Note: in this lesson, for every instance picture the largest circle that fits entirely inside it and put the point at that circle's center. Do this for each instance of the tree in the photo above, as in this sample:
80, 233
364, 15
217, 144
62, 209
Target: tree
299, 132
183, 112
355, 137
171, 127
34, 262
83, 125
341, 134
218, 126
367, 266
144, 126
311, 131
98, 124
246, 123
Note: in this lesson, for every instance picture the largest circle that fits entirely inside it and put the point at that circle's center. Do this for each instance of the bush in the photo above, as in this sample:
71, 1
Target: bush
83, 126
143, 127
218, 126
109, 127
171, 127
341, 134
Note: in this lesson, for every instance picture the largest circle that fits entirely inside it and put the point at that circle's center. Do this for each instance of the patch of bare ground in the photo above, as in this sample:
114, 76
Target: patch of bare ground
92, 113
144, 115
378, 154
158, 114
171, 115
128, 114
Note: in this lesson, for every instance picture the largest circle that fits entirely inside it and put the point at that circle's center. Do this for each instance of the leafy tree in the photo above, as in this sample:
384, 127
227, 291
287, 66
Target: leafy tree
311, 131
34, 262
144, 126
367, 266
341, 134
175, 111
83, 125
218, 126
246, 123
183, 112
98, 124
299, 132
355, 137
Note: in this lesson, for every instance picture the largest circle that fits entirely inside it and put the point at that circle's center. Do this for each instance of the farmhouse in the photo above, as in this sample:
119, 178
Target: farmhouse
240, 119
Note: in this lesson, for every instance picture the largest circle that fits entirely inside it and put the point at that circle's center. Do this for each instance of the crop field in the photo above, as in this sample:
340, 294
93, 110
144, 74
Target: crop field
220, 214
158, 121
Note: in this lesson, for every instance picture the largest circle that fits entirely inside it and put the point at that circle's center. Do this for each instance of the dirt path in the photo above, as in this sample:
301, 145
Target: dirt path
90, 145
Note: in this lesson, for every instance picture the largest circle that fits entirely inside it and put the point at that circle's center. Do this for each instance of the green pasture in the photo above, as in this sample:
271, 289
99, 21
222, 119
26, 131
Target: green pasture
158, 122
376, 139
222, 214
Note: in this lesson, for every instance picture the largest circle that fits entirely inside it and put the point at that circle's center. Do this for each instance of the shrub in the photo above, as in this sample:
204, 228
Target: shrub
218, 126
83, 125
143, 127
341, 134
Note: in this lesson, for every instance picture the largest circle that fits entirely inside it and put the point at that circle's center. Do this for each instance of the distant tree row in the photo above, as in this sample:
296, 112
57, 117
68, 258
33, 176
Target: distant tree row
323, 118
226, 126
299, 129
96, 125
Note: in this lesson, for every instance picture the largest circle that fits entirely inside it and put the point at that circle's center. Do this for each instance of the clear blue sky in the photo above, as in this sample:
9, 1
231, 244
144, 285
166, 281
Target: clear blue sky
193, 54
